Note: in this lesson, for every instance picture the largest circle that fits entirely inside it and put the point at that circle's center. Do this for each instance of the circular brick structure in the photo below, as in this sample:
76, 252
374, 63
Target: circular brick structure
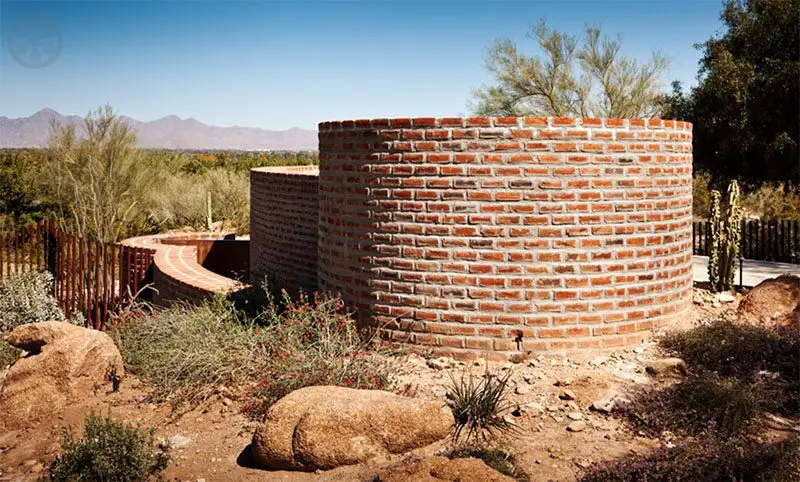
496, 236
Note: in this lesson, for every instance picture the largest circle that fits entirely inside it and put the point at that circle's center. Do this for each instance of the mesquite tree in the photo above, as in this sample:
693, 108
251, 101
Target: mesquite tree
586, 78
725, 236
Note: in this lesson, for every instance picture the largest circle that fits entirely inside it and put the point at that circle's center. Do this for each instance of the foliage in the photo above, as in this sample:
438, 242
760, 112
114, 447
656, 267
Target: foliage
479, 406
109, 450
744, 110
22, 196
712, 460
98, 180
773, 201
701, 195
186, 352
8, 355
314, 342
498, 459
587, 79
726, 233
25, 298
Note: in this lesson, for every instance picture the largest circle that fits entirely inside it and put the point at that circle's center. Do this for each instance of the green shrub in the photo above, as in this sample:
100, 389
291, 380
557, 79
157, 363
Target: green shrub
109, 451
25, 298
479, 407
771, 201
701, 195
185, 352
8, 355
739, 458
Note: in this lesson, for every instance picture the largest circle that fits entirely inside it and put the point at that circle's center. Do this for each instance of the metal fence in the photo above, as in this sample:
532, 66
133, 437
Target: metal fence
90, 277
761, 240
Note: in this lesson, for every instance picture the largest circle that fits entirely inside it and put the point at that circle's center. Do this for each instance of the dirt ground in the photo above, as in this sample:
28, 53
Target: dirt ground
210, 443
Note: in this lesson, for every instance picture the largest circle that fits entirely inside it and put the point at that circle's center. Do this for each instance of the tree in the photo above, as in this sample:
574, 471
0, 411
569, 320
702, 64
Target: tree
746, 107
587, 79
99, 178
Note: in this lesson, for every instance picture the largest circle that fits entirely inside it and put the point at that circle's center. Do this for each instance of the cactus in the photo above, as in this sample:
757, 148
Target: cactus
725, 235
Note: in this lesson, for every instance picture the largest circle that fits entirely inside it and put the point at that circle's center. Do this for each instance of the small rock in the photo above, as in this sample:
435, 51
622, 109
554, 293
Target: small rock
602, 406
571, 405
726, 297
598, 361
528, 378
666, 366
441, 363
567, 395
576, 426
227, 401
564, 382
522, 390
575, 416
638, 350
178, 441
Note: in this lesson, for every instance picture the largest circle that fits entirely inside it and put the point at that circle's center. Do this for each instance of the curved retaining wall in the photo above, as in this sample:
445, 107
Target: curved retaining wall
487, 235
284, 209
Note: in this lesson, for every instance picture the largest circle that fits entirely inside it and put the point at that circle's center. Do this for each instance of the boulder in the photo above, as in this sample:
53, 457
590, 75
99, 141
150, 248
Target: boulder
666, 367
774, 302
441, 469
325, 427
65, 364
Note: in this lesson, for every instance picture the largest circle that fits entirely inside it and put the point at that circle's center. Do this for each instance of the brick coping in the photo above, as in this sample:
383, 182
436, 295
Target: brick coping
423, 122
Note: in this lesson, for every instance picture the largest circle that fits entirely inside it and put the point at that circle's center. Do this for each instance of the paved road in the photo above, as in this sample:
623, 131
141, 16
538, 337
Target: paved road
754, 271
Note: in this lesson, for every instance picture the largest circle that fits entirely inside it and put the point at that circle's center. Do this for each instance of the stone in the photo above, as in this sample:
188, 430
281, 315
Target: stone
575, 416
563, 382
522, 390
65, 364
567, 395
324, 427
441, 363
178, 441
726, 297
441, 469
577, 426
774, 302
603, 406
666, 367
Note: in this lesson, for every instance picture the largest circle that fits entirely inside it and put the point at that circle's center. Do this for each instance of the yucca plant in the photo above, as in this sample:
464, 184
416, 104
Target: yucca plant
479, 406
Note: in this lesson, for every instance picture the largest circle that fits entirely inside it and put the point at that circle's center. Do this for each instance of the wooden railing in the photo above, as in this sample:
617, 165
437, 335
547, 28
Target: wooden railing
93, 278
761, 240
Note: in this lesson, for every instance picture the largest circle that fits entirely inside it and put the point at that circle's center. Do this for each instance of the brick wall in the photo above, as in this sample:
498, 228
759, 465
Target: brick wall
284, 210
493, 236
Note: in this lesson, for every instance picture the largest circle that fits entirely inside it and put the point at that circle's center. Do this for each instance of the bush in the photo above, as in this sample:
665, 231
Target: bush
111, 451
26, 298
711, 460
771, 201
479, 407
701, 194
8, 355
186, 352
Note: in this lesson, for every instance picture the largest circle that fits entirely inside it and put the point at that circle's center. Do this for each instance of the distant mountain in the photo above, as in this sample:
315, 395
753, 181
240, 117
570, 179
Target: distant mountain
170, 132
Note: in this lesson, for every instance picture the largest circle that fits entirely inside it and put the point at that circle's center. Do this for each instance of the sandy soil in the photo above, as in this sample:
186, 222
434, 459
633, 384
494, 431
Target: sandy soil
211, 441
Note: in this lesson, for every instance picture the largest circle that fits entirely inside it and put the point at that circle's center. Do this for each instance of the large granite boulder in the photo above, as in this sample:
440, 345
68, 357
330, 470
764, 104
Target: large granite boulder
774, 302
325, 427
65, 363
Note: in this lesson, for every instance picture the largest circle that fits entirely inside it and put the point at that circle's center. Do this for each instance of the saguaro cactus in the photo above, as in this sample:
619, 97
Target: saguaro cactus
725, 236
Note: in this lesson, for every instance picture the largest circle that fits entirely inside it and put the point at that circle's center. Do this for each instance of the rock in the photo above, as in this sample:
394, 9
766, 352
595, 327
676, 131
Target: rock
441, 469
575, 416
773, 302
522, 390
178, 441
577, 426
325, 427
666, 367
563, 382
726, 297
441, 363
603, 406
567, 395
66, 363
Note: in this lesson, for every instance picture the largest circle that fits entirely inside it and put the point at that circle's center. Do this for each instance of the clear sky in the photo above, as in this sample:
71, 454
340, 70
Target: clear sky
282, 64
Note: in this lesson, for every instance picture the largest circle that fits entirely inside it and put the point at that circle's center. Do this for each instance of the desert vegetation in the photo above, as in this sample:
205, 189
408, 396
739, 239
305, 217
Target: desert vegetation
103, 186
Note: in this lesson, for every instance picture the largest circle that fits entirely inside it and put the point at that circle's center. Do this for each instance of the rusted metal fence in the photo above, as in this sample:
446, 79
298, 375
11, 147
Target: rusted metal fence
761, 240
90, 277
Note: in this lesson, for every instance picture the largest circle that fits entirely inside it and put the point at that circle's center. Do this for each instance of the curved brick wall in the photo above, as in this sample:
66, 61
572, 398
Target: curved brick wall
283, 225
488, 235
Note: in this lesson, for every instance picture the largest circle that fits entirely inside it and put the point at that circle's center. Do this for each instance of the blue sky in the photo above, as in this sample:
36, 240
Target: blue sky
277, 65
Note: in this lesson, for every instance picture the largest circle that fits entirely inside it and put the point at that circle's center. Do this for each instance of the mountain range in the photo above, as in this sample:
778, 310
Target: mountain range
169, 132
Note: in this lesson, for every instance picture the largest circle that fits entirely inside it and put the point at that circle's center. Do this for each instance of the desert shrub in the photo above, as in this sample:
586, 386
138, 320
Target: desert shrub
186, 352
711, 460
109, 450
25, 298
496, 458
314, 342
479, 406
771, 201
8, 355
701, 194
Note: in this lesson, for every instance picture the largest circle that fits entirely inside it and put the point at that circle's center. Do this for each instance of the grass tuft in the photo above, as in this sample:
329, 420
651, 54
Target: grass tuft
479, 406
